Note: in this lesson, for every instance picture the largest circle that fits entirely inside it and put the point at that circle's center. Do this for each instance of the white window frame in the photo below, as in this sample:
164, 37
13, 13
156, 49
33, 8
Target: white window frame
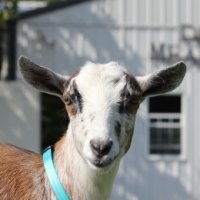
181, 125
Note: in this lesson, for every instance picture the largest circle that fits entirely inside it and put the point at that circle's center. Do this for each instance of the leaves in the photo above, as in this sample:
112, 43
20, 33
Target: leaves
10, 11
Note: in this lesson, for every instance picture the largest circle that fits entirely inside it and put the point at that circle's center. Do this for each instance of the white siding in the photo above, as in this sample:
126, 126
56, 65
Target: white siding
19, 115
123, 31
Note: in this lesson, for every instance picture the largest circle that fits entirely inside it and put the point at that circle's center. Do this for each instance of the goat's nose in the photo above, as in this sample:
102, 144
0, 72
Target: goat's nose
101, 149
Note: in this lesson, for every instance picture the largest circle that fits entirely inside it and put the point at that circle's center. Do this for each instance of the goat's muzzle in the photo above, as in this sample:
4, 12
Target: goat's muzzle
101, 150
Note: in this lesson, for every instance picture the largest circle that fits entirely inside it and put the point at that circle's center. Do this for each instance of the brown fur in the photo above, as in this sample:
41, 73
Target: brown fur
21, 174
71, 110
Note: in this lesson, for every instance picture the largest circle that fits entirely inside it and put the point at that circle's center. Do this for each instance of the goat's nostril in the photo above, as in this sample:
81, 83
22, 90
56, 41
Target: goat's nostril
105, 149
101, 149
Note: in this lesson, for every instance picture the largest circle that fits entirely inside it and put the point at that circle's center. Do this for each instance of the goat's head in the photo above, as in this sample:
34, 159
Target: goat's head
102, 102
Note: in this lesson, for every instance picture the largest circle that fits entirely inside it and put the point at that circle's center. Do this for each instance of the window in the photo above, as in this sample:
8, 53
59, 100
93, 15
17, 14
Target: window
165, 125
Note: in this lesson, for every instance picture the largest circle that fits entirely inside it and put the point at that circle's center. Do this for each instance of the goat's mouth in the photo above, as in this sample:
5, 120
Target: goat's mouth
103, 163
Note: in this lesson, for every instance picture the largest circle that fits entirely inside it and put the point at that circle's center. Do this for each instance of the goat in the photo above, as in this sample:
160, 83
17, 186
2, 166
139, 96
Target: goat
102, 101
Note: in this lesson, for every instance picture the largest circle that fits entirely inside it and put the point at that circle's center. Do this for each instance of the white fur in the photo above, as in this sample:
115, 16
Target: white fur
100, 95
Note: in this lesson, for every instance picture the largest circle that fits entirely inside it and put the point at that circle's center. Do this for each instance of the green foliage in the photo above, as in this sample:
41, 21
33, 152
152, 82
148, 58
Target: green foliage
10, 11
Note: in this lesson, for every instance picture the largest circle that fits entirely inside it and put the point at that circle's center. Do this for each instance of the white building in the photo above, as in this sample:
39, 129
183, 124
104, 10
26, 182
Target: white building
144, 35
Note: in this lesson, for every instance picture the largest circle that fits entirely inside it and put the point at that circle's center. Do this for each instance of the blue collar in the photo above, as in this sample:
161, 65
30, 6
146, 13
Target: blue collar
52, 175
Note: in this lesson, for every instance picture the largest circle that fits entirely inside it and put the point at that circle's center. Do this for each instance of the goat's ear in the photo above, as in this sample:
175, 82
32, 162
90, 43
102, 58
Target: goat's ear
41, 78
162, 81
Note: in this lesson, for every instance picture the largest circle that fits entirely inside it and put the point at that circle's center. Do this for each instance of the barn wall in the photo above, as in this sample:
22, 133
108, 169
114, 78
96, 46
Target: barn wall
101, 31
19, 115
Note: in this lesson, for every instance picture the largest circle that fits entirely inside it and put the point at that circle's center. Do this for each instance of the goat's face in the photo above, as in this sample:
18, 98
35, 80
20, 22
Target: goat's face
102, 102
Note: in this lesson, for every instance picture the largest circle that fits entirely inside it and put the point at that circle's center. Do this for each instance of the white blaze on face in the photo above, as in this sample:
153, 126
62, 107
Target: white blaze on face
100, 119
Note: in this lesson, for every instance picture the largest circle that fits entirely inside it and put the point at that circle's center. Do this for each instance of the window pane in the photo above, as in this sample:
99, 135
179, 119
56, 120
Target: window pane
176, 138
165, 120
165, 104
153, 120
176, 120
165, 140
153, 138
165, 151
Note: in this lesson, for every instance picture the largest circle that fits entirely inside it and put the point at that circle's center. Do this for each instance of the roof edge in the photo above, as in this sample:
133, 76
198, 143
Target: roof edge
49, 8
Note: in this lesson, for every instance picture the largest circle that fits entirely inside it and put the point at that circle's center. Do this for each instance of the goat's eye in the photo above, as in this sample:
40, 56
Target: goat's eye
67, 100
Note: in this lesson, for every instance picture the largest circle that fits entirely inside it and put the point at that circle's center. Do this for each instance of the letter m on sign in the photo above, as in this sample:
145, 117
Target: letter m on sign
157, 53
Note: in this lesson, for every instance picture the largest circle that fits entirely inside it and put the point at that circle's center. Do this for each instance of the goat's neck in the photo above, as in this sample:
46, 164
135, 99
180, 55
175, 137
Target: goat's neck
79, 180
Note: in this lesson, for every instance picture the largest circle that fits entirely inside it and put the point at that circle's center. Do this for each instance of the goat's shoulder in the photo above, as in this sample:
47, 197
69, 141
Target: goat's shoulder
10, 152
20, 169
